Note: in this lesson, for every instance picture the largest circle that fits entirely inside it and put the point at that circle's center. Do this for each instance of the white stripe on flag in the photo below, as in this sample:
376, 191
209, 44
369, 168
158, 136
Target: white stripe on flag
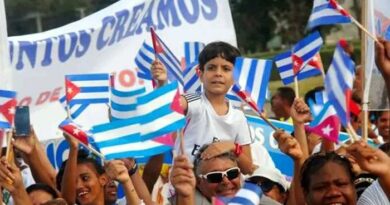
112, 134
93, 95
258, 80
309, 47
91, 83
135, 146
161, 122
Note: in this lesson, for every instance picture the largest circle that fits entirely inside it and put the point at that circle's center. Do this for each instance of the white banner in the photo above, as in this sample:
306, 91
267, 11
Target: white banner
378, 23
106, 41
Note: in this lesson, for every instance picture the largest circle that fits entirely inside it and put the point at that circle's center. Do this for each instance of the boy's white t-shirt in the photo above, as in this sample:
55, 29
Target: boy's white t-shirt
205, 126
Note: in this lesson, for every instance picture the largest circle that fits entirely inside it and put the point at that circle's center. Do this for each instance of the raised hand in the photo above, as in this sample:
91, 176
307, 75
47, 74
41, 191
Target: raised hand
10, 176
217, 148
300, 112
73, 143
117, 170
370, 159
26, 144
182, 177
382, 57
288, 144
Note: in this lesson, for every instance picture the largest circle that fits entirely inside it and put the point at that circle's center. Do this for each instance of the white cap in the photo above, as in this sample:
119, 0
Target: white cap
272, 174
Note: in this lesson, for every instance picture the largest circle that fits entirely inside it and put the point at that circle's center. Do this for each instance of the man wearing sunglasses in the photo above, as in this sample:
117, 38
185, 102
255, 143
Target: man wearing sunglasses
216, 176
272, 183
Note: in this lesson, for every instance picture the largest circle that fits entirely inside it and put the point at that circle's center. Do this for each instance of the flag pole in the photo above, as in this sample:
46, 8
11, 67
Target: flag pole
93, 150
352, 133
364, 29
296, 86
8, 153
363, 67
181, 138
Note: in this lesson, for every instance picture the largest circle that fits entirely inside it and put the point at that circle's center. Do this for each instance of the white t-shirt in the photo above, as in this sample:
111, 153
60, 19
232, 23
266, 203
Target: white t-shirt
205, 126
374, 195
260, 155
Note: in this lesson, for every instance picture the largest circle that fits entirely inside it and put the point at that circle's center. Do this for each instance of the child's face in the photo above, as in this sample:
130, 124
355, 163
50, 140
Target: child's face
217, 76
89, 185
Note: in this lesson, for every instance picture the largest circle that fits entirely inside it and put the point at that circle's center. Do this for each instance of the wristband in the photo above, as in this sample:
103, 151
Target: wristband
237, 149
133, 170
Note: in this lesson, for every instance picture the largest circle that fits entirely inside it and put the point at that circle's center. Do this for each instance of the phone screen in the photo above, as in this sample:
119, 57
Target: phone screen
22, 121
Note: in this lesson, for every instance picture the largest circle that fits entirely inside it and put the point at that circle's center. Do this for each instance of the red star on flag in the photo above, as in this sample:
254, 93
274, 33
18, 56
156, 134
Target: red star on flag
74, 131
71, 90
175, 106
316, 62
156, 42
297, 63
8, 110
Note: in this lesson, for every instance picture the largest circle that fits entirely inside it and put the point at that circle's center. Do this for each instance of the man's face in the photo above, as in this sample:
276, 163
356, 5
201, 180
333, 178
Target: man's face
384, 125
217, 76
226, 188
331, 185
277, 105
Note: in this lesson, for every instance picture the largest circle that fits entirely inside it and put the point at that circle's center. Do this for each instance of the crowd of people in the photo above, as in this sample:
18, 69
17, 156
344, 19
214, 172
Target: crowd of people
215, 155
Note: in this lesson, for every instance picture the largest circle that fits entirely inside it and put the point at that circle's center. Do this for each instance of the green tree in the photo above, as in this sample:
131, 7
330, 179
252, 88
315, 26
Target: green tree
23, 16
257, 22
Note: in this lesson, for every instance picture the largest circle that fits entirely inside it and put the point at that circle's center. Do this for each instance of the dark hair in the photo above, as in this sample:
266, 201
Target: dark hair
311, 94
315, 162
82, 158
42, 187
286, 93
217, 49
385, 148
198, 160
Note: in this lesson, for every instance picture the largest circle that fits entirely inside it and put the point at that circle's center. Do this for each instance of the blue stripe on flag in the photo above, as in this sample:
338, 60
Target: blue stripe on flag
138, 153
156, 93
79, 110
88, 77
128, 93
115, 125
133, 137
120, 107
94, 89
167, 129
88, 101
7, 94
251, 76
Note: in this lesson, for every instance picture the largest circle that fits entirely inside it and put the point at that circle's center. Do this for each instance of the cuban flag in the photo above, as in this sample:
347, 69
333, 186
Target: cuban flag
74, 110
124, 103
253, 75
302, 61
326, 124
87, 88
158, 113
7, 108
76, 131
144, 60
167, 58
241, 95
161, 111
338, 83
191, 51
326, 12
249, 194
192, 82
316, 105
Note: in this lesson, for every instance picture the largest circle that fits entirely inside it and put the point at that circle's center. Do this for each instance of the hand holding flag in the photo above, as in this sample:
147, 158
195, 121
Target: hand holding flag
7, 108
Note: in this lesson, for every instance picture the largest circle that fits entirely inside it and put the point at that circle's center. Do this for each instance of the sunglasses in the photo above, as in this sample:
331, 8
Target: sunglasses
217, 176
266, 185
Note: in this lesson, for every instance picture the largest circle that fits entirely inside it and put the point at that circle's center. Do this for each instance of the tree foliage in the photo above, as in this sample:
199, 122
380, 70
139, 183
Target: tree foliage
256, 22
22, 14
